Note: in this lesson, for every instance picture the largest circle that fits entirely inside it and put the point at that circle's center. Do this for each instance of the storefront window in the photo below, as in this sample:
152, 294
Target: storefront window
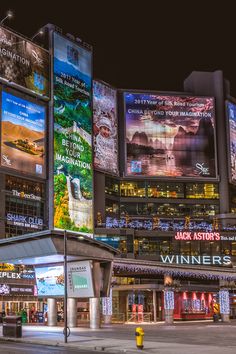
233, 245
25, 207
112, 186
118, 242
112, 208
168, 210
202, 191
132, 189
165, 190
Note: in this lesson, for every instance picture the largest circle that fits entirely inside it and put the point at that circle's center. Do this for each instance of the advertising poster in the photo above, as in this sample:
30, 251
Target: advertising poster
105, 128
231, 108
80, 283
73, 172
23, 63
50, 281
23, 135
169, 136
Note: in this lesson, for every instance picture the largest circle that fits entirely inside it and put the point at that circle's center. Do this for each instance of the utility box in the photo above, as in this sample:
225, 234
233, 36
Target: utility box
12, 326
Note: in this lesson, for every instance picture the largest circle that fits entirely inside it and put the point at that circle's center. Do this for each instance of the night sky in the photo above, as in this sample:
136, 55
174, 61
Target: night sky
143, 45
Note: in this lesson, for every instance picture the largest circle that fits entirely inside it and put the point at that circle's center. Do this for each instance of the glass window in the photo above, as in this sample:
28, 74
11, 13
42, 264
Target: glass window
132, 189
112, 186
233, 245
165, 190
112, 208
202, 191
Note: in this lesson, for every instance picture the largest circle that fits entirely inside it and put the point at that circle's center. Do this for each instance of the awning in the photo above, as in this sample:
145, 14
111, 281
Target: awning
128, 267
47, 247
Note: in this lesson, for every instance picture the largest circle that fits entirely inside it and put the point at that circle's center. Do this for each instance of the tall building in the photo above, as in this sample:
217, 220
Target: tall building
149, 173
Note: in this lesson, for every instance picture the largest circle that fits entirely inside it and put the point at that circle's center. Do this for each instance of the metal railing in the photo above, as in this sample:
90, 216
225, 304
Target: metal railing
118, 318
139, 317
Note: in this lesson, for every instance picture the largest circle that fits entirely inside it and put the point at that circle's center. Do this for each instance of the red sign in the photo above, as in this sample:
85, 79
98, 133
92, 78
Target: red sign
197, 236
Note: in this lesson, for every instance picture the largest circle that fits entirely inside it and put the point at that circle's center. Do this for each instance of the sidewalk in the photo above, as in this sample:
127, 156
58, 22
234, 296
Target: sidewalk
83, 338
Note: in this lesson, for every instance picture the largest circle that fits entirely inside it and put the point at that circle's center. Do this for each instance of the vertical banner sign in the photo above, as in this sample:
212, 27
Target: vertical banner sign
23, 63
73, 174
105, 128
231, 108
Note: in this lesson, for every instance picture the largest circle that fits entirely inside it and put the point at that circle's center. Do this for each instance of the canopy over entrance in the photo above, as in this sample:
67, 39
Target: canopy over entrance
47, 247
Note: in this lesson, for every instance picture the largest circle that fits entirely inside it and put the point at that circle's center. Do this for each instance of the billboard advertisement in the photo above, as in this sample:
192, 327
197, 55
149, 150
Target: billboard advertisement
169, 136
23, 63
105, 128
80, 283
73, 171
231, 110
23, 135
50, 281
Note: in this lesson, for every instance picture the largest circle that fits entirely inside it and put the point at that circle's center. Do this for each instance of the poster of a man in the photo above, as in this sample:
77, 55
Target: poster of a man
105, 128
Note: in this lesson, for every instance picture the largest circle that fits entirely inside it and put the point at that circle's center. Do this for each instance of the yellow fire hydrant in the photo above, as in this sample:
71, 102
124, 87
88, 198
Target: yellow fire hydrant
139, 334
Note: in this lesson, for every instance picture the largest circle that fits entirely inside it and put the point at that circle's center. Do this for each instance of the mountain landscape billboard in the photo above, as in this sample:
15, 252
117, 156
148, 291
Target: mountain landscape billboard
23, 135
23, 63
169, 136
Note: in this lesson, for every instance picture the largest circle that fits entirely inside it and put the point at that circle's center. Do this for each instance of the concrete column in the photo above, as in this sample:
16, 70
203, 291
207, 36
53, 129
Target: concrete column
94, 312
154, 295
72, 312
52, 312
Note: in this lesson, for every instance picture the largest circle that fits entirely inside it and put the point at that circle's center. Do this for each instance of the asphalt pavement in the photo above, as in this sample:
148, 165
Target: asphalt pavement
180, 338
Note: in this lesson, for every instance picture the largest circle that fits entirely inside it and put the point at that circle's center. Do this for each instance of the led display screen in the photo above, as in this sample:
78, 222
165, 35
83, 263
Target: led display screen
105, 128
23, 135
169, 136
231, 109
73, 172
50, 281
23, 63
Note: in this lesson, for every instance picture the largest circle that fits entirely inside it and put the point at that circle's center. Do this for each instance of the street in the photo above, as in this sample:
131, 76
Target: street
180, 338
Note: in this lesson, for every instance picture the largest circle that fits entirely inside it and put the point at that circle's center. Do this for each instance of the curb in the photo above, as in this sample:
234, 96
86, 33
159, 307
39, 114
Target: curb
68, 345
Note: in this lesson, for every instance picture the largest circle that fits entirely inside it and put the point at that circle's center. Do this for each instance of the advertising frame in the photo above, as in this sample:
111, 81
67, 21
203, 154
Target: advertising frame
229, 169
36, 101
79, 267
16, 86
89, 48
109, 173
165, 178
47, 266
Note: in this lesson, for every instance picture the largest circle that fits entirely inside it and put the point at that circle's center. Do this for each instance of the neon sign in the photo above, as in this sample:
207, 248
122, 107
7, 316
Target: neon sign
197, 236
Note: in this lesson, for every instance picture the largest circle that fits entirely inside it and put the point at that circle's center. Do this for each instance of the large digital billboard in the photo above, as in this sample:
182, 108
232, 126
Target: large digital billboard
23, 63
50, 280
105, 128
23, 135
73, 170
231, 110
169, 136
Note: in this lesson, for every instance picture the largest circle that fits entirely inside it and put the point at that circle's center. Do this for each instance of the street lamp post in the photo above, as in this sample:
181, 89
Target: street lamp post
65, 286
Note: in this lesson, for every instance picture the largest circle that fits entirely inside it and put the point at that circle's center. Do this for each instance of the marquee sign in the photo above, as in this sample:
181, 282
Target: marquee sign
32, 222
202, 236
204, 260
197, 236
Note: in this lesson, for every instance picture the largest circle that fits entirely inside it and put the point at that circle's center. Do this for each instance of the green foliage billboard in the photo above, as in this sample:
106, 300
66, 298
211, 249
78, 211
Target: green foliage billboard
73, 173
